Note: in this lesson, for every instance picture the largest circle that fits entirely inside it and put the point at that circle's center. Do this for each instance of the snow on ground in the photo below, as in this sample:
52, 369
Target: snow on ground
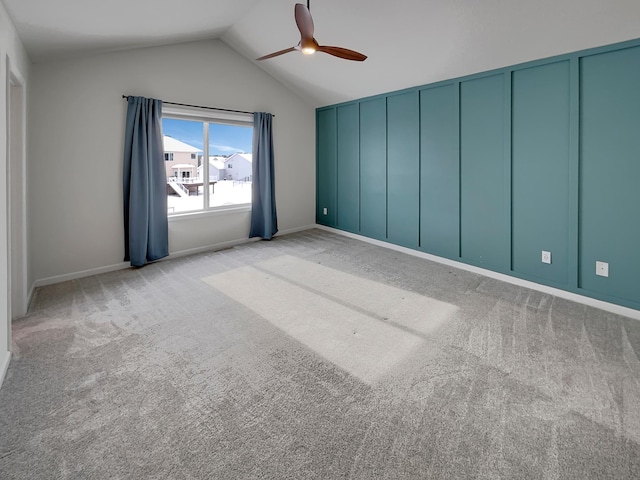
226, 192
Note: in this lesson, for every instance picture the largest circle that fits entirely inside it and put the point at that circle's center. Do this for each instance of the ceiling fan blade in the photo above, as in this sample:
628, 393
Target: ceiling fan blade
343, 53
280, 52
304, 21
308, 44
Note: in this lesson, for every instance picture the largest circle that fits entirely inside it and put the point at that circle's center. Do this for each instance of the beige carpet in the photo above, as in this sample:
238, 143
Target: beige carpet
315, 356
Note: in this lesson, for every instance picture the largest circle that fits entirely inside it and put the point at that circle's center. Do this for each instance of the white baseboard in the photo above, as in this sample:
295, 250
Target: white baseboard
208, 248
592, 302
123, 265
32, 291
4, 366
81, 274
295, 230
229, 244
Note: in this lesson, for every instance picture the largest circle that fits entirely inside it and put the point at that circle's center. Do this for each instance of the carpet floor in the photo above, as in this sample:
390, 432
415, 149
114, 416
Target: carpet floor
316, 356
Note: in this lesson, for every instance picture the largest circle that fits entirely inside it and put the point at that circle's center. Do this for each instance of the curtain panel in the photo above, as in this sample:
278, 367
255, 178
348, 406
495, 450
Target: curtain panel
264, 221
146, 230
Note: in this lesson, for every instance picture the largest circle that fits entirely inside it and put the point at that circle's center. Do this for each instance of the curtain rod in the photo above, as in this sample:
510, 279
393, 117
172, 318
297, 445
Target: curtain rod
199, 106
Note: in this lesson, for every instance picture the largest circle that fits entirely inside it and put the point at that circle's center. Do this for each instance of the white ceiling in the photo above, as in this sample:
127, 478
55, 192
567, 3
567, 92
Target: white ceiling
409, 42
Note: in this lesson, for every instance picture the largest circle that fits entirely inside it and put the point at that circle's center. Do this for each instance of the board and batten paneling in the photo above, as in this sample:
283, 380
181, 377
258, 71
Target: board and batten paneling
348, 144
540, 170
373, 168
403, 166
326, 167
610, 172
484, 234
439, 171
494, 168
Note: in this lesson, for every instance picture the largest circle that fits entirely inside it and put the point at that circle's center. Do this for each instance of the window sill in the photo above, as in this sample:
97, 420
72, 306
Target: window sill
214, 212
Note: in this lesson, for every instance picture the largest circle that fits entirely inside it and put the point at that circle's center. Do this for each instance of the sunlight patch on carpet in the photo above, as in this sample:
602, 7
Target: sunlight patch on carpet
403, 308
362, 326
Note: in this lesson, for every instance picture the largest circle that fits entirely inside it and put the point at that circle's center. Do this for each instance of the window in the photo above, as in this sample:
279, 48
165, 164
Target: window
207, 135
168, 157
229, 165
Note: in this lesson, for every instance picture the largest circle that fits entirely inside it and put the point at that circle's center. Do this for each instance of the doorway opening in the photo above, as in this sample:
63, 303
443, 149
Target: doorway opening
16, 194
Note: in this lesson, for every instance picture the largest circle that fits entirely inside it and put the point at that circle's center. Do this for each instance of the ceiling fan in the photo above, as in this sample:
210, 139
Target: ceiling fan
308, 44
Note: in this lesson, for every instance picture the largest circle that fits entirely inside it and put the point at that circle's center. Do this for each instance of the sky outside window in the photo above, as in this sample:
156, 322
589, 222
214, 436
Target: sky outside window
223, 139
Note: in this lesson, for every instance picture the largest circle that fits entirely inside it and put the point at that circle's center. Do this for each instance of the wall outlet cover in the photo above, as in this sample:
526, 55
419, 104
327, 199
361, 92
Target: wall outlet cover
602, 269
324, 211
546, 257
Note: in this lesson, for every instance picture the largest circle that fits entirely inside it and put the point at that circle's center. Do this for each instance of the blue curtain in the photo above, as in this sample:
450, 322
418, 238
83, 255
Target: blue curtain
264, 222
146, 231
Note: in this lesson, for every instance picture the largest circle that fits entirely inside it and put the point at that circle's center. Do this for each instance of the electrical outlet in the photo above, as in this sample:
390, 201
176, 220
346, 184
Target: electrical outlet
602, 269
324, 211
546, 257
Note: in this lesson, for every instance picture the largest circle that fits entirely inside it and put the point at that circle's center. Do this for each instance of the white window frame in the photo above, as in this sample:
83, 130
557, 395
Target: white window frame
207, 117
168, 156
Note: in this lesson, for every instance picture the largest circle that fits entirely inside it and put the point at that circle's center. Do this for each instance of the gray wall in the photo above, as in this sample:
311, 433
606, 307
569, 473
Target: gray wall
13, 61
76, 141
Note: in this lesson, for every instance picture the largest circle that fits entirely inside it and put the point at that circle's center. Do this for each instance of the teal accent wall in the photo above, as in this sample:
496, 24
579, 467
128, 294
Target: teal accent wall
540, 170
494, 168
610, 172
349, 168
326, 168
439, 171
373, 168
403, 169
484, 233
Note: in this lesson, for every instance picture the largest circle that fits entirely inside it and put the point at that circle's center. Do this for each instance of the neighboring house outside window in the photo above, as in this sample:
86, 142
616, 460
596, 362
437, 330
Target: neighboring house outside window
241, 164
182, 154
216, 168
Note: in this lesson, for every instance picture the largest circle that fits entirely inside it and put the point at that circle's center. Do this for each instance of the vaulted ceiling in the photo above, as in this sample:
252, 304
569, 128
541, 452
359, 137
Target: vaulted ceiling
408, 42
